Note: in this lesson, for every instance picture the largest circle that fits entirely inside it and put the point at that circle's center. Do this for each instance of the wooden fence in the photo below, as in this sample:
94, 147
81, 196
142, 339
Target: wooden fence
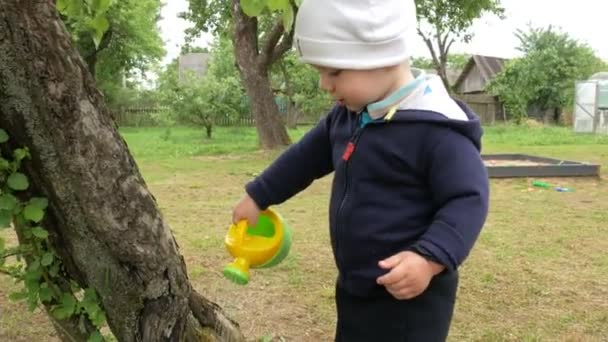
151, 116
487, 107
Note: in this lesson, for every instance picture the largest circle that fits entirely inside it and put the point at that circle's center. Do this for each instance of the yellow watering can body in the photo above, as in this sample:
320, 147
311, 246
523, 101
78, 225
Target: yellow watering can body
263, 245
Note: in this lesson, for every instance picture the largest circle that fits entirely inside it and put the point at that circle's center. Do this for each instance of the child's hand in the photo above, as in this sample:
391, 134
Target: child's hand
246, 209
409, 275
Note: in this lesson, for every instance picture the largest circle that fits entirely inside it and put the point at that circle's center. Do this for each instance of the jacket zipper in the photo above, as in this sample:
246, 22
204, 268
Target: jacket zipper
348, 152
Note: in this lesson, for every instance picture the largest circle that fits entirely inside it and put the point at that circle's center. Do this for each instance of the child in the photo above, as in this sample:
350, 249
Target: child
410, 191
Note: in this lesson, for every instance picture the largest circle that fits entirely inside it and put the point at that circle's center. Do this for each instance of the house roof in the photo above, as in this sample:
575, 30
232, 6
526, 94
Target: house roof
452, 74
488, 67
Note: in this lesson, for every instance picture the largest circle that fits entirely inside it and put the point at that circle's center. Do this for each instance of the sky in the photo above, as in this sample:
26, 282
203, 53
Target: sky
582, 19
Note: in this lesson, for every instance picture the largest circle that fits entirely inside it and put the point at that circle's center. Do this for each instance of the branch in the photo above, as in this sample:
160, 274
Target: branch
209, 314
429, 44
444, 42
447, 49
271, 43
283, 46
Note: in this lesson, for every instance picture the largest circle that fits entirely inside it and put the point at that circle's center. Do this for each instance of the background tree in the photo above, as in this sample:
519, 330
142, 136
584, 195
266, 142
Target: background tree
201, 101
552, 63
262, 32
118, 40
298, 85
74, 178
456, 61
443, 22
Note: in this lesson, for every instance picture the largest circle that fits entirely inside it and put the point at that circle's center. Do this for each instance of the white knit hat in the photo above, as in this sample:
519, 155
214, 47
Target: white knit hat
354, 34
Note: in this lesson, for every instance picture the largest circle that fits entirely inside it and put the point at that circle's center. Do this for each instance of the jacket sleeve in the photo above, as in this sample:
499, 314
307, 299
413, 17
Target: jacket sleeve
296, 168
460, 190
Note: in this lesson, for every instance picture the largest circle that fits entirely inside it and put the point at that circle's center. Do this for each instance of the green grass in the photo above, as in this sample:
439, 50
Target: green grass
178, 142
539, 271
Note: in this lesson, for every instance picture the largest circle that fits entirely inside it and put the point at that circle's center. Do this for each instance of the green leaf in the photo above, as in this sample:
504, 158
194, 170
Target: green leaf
95, 337
46, 294
298, 2
40, 233
8, 202
276, 5
20, 154
99, 25
288, 18
62, 5
1, 249
98, 319
253, 8
47, 259
34, 265
39, 202
54, 270
4, 164
101, 6
17, 296
32, 301
66, 308
17, 181
33, 213
3, 136
6, 217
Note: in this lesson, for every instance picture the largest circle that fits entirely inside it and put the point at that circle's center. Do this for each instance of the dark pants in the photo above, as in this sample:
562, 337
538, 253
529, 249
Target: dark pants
425, 318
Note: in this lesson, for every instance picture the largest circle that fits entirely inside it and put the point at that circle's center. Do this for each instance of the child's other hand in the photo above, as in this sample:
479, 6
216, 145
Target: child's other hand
409, 275
246, 209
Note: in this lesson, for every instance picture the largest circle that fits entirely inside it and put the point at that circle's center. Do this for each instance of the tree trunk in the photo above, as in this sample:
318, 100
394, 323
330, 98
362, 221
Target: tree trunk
254, 73
103, 221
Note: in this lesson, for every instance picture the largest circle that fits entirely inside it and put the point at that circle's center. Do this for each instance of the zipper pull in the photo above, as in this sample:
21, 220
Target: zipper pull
348, 151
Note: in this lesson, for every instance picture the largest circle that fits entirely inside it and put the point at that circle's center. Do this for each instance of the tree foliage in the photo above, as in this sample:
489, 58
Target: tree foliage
443, 22
118, 39
546, 75
200, 101
262, 32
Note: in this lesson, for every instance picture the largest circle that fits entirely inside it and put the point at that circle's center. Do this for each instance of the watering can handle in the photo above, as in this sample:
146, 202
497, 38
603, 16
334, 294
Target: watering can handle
241, 229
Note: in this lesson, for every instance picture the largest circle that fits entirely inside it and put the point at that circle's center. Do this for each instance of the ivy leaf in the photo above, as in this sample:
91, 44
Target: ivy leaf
34, 265
47, 259
98, 318
40, 233
66, 308
46, 295
33, 212
17, 296
95, 337
8, 202
3, 136
39, 202
17, 181
6, 217
4, 164
20, 154
54, 271
253, 8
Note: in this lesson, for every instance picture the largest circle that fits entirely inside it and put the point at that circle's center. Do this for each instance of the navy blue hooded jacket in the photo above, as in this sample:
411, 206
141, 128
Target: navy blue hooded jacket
416, 182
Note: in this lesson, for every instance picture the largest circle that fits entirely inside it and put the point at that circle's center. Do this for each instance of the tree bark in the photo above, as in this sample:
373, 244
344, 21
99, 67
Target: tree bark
253, 68
103, 222
439, 57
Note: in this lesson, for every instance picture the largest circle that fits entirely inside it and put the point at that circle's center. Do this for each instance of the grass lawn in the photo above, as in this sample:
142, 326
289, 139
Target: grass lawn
539, 271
